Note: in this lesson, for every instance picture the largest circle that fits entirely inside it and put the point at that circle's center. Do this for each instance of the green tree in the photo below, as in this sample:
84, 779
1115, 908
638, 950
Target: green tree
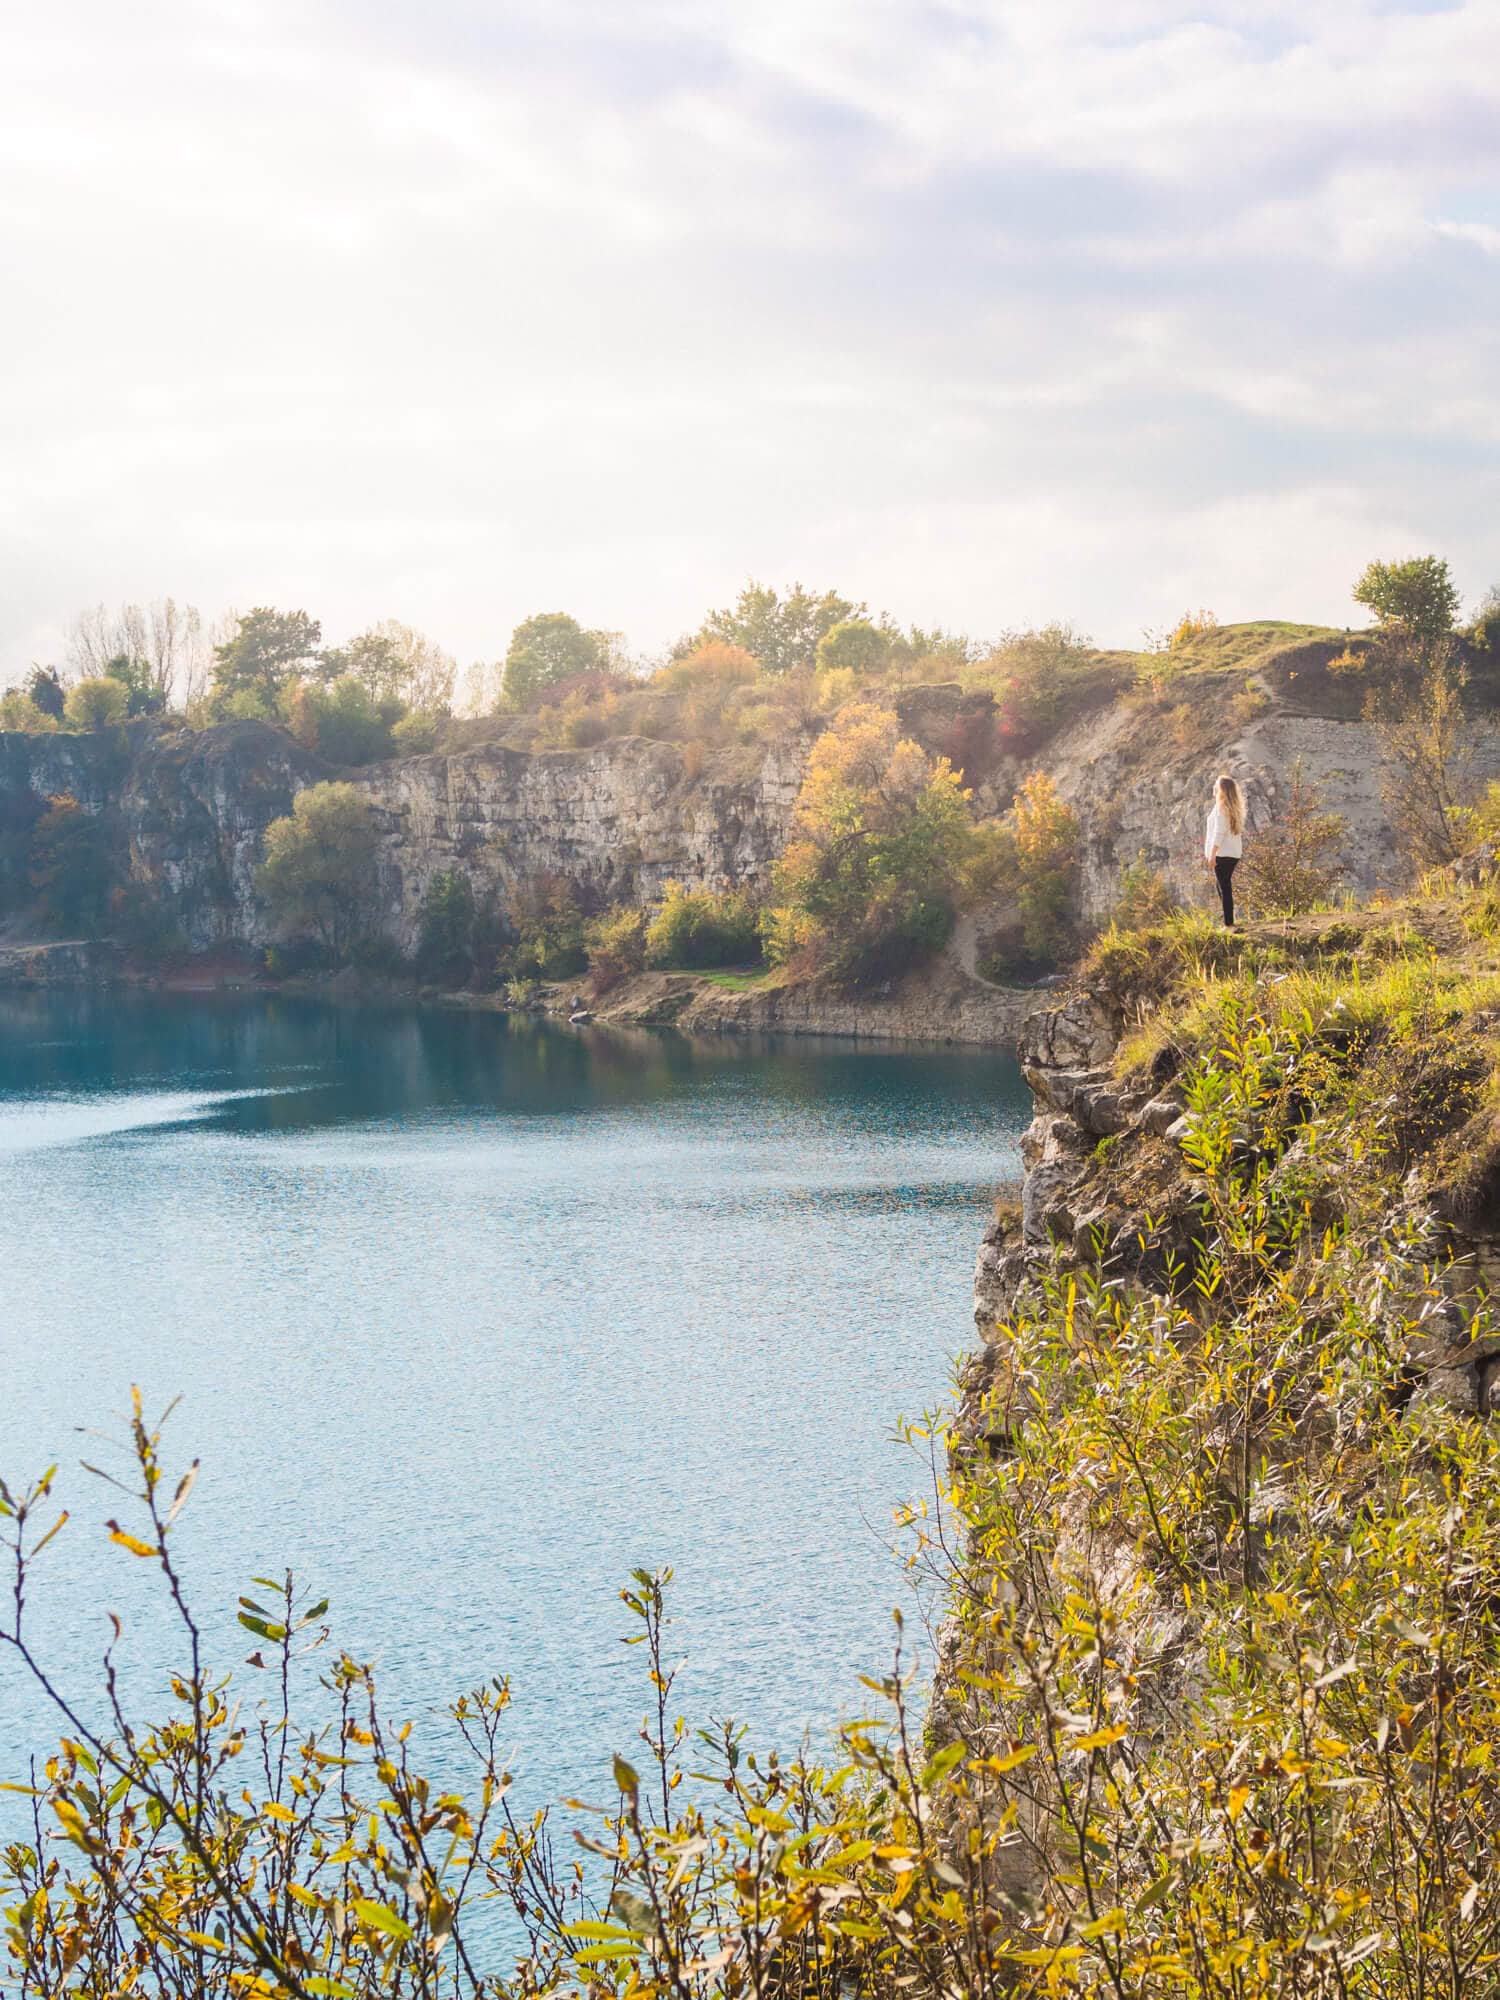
144, 695
445, 941
97, 704
547, 922
855, 643
44, 688
392, 662
68, 866
783, 633
344, 723
545, 649
318, 875
1485, 630
268, 649
1416, 600
880, 838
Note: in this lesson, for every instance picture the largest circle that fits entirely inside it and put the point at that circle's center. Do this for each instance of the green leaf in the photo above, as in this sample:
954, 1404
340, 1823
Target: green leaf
380, 1917
942, 1764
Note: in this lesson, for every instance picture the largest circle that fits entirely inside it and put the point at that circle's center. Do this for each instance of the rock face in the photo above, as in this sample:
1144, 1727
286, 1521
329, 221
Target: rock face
1137, 793
190, 812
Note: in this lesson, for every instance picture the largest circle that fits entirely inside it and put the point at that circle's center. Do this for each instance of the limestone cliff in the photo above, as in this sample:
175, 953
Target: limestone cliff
188, 811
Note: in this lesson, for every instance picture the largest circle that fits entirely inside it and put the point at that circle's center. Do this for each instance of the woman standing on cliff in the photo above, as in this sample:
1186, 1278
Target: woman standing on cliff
1222, 845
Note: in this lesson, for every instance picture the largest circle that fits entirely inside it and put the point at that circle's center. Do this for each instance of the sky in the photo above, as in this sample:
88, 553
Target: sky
986, 313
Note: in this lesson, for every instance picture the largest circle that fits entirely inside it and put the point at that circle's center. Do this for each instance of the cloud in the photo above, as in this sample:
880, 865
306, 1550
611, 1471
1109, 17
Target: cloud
982, 312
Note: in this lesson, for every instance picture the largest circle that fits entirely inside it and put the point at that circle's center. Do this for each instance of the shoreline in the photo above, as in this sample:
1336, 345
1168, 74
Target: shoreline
940, 1003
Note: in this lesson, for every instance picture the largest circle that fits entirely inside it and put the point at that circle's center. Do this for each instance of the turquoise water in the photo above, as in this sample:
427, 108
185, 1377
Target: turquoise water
471, 1318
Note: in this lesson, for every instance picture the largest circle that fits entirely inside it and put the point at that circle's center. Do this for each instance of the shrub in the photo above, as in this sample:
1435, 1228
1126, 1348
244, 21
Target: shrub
97, 704
318, 874
343, 722
1192, 625
1145, 897
19, 712
1427, 740
445, 940
695, 928
1292, 865
68, 866
547, 921
1040, 680
415, 734
616, 945
1484, 632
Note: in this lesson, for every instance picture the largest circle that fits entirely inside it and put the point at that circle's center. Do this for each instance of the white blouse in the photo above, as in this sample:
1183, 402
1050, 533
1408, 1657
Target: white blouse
1220, 837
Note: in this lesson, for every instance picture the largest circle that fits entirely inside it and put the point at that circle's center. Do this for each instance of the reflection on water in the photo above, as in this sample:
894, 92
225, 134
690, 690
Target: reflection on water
470, 1316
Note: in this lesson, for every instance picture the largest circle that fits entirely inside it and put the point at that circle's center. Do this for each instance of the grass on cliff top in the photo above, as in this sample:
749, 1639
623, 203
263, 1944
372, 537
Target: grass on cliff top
1367, 967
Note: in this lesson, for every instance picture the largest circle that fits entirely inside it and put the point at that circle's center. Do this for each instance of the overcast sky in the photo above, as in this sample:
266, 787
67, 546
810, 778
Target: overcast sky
989, 313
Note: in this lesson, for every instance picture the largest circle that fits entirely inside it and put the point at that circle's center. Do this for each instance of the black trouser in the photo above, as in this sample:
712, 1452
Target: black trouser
1224, 867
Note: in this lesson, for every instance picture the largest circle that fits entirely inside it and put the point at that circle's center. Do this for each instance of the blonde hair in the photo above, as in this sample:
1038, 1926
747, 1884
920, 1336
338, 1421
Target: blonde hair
1227, 794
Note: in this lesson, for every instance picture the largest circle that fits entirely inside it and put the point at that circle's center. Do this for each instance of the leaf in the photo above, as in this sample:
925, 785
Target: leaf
1111, 1921
184, 1488
132, 1542
942, 1764
1099, 1739
333, 1987
56, 1525
1011, 1760
627, 1778
380, 1917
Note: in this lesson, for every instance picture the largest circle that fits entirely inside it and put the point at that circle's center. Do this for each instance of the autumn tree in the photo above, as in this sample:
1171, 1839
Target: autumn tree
879, 839
393, 662
318, 875
1293, 864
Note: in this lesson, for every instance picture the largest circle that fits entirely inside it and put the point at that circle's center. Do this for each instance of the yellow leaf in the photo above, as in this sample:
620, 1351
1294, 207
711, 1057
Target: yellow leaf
132, 1542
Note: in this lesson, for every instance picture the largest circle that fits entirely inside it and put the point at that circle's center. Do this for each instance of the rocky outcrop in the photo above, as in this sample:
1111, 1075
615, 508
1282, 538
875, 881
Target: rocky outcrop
86, 962
1139, 793
938, 1003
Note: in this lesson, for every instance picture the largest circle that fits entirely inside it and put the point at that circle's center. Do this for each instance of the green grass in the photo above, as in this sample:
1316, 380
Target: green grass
738, 982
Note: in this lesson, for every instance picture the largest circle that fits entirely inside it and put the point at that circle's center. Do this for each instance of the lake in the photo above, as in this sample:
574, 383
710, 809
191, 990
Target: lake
470, 1316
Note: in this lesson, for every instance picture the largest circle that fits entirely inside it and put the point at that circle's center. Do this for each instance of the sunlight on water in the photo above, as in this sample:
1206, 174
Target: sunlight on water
471, 1317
